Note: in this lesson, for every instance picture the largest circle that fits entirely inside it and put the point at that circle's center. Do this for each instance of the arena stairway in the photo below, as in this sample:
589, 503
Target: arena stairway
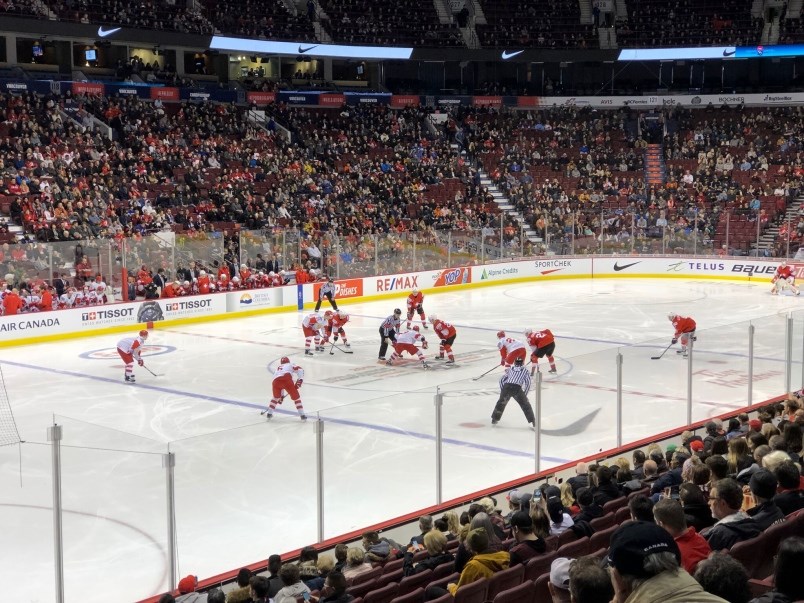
505, 205
770, 235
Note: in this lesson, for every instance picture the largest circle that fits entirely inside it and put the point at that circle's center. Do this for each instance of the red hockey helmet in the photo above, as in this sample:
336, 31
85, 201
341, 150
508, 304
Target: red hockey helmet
284, 360
416, 328
144, 334
500, 334
328, 314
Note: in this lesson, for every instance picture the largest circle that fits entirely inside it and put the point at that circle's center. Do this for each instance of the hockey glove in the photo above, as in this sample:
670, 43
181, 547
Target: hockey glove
534, 359
443, 342
335, 338
425, 345
299, 383
673, 341
141, 362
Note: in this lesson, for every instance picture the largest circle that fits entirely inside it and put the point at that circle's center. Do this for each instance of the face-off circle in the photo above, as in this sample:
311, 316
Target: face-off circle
109, 353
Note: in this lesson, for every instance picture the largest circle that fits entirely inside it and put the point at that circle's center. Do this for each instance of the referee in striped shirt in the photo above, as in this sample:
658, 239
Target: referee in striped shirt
514, 384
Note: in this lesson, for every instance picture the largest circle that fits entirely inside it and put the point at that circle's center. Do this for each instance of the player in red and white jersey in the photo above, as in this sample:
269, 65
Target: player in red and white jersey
415, 301
203, 282
92, 298
236, 284
407, 342
783, 279
223, 283
446, 333
314, 327
30, 300
283, 382
186, 288
335, 322
68, 298
684, 331
542, 343
276, 279
510, 349
129, 349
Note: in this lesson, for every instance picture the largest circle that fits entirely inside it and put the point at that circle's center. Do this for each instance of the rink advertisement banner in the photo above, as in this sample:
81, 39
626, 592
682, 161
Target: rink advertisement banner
352, 287
165, 93
331, 100
539, 268
675, 267
261, 98
452, 276
400, 101
495, 102
254, 299
682, 100
87, 89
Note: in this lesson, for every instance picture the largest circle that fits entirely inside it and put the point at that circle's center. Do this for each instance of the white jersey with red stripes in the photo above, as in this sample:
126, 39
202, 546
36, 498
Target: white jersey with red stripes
509, 345
131, 345
291, 369
314, 321
412, 337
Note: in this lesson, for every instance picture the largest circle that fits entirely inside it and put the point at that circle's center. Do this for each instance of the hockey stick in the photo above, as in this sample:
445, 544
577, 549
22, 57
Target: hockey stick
262, 412
337, 347
486, 373
150, 371
663, 353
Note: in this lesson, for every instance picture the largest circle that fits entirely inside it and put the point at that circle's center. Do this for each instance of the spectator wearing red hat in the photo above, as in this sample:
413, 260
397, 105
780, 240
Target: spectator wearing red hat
755, 425
696, 446
187, 586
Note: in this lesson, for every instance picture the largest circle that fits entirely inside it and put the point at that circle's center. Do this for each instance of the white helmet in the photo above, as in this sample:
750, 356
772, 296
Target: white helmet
187, 283
414, 291
341, 314
528, 332
433, 318
784, 263
203, 273
272, 273
672, 316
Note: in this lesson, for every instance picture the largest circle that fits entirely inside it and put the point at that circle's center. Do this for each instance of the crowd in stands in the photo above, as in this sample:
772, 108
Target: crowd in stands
255, 19
404, 23
522, 24
654, 23
584, 168
693, 522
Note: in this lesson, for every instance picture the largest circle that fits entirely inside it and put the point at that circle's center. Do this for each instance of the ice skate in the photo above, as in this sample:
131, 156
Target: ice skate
450, 361
303, 417
424, 324
130, 379
425, 365
308, 353
494, 421
438, 358
346, 345
387, 362
269, 416
553, 371
681, 352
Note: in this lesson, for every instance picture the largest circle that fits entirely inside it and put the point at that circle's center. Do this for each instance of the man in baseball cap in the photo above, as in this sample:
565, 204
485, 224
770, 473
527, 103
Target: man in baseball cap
645, 566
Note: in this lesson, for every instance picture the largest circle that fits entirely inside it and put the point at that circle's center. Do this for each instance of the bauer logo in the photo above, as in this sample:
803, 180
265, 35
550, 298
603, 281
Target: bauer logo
754, 269
454, 276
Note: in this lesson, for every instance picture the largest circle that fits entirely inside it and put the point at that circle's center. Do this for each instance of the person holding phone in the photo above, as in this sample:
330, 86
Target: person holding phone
292, 586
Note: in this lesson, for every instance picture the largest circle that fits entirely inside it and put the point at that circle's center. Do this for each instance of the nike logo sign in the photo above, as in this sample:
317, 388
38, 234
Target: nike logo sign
728, 53
617, 267
507, 55
104, 33
308, 49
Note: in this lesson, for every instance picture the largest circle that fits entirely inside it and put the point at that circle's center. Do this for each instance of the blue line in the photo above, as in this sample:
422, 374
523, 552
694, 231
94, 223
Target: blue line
394, 430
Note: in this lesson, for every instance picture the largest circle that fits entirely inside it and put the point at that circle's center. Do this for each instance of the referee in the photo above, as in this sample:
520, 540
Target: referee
514, 384
327, 290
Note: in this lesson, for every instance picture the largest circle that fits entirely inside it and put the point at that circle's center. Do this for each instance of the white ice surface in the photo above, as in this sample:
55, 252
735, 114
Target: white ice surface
245, 488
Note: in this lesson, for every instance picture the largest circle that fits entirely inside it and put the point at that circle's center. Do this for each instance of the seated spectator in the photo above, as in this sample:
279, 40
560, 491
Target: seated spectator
292, 586
308, 558
334, 589
669, 514
560, 520
645, 566
541, 521
712, 431
696, 507
425, 525
787, 583
259, 586
589, 508
670, 479
484, 564
650, 470
274, 581
436, 544
790, 497
559, 583
480, 520
606, 489
763, 486
738, 456
641, 508
588, 582
627, 483
340, 556
568, 499
378, 550
187, 586
490, 507
733, 525
324, 565
639, 460
242, 594
513, 499
725, 577
527, 544
453, 525
718, 467
356, 564
581, 478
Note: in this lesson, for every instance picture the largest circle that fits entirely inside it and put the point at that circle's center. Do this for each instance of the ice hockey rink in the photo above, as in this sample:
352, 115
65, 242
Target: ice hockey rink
245, 487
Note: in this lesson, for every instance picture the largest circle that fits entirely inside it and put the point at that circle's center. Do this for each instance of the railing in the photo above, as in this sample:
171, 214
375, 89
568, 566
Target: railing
611, 232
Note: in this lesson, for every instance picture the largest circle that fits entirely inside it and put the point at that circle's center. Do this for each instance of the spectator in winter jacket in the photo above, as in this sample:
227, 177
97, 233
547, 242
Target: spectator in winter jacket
733, 525
356, 564
187, 586
292, 586
527, 544
334, 590
436, 544
581, 479
340, 556
696, 508
485, 562
308, 558
725, 577
645, 566
259, 586
378, 550
669, 514
324, 565
425, 525
606, 489
763, 486
242, 594
641, 508
589, 508
790, 496
274, 581
787, 583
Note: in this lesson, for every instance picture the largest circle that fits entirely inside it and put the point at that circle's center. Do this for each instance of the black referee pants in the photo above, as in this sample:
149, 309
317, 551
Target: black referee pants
512, 390
329, 297
384, 337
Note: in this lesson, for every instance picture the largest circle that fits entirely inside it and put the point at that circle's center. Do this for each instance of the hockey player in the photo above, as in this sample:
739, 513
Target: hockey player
327, 290
204, 283
783, 279
276, 279
542, 343
406, 342
389, 330
314, 327
415, 301
510, 349
283, 382
68, 298
446, 333
129, 350
335, 322
515, 384
172, 289
684, 330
